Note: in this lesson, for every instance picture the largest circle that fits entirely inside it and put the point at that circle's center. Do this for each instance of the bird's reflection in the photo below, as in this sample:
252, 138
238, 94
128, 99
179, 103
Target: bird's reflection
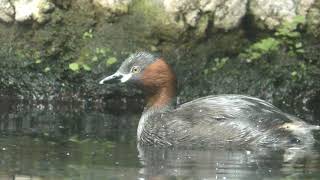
165, 163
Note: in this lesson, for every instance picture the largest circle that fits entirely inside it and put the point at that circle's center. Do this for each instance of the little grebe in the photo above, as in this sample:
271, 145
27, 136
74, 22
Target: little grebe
212, 121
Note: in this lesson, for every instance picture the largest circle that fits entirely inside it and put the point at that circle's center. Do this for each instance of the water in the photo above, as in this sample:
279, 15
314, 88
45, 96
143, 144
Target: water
82, 141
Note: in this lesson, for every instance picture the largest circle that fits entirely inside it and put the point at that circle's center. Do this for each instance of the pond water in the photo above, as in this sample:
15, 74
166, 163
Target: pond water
83, 141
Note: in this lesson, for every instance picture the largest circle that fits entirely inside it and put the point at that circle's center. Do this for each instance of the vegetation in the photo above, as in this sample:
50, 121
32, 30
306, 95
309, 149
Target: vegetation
218, 64
89, 59
287, 36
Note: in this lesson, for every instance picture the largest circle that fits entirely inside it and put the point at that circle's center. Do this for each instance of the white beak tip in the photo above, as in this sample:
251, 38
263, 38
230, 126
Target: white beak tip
101, 82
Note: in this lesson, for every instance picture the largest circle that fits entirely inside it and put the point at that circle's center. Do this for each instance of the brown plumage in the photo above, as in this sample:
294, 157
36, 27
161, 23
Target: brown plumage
159, 83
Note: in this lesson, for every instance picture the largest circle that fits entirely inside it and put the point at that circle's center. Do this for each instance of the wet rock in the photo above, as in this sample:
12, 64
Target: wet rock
270, 13
6, 11
32, 10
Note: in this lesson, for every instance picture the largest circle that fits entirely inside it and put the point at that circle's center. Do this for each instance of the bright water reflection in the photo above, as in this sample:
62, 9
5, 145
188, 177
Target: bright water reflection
83, 142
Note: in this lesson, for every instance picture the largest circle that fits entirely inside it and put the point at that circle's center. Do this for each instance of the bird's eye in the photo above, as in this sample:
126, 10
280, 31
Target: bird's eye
135, 69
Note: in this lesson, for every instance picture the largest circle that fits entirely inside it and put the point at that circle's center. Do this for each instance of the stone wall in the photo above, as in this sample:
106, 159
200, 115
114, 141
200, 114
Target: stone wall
183, 14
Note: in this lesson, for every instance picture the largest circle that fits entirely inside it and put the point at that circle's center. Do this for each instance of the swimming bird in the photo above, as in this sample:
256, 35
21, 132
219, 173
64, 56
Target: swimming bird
234, 121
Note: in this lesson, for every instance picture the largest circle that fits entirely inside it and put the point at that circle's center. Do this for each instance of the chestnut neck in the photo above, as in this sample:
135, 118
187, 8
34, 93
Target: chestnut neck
159, 85
163, 97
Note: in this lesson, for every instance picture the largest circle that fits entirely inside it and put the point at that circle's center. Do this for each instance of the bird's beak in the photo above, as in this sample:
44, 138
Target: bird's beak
114, 77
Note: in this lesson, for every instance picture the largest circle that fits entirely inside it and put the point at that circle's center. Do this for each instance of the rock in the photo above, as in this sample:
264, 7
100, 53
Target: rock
209, 5
163, 22
270, 13
227, 14
230, 14
113, 6
303, 6
6, 11
180, 6
32, 9
189, 9
192, 17
313, 19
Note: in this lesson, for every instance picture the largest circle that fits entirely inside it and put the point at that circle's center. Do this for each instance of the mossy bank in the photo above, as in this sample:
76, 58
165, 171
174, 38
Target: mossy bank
62, 50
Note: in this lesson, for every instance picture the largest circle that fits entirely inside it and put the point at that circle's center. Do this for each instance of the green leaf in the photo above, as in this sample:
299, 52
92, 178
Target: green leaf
47, 69
111, 60
298, 45
293, 34
88, 34
86, 67
299, 19
74, 66
294, 73
300, 51
74, 139
94, 58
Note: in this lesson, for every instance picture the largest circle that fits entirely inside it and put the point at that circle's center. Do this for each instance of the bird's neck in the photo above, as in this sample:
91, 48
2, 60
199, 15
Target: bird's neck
159, 84
162, 98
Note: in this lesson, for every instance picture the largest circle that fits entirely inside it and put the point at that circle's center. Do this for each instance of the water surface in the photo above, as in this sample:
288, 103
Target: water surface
83, 141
